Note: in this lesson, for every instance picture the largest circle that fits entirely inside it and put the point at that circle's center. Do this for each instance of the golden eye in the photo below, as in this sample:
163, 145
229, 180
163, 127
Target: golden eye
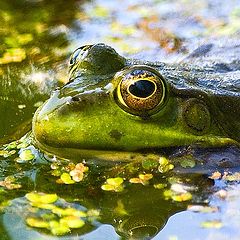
141, 90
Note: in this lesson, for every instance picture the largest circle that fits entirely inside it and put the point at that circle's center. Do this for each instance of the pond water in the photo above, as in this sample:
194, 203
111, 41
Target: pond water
42, 197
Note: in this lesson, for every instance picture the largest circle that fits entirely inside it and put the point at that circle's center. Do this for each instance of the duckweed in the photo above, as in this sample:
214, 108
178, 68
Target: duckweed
164, 165
38, 223
78, 172
43, 205
26, 155
3, 153
142, 178
50, 213
113, 184
11, 145
150, 162
202, 209
58, 228
212, 224
93, 214
41, 197
160, 185
22, 145
6, 153
9, 183
66, 178
182, 197
188, 162
69, 211
11, 148
70, 173
177, 197
72, 221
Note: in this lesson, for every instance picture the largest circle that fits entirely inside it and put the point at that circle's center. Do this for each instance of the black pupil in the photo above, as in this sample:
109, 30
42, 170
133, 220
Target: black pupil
142, 88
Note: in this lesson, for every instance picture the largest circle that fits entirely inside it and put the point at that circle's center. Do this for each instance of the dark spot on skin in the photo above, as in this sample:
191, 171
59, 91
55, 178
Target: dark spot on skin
116, 135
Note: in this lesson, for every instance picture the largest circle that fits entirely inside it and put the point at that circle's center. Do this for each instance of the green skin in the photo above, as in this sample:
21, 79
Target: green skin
86, 113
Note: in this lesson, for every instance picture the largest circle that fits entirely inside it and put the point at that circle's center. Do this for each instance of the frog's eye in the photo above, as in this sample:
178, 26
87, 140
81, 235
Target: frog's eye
78, 54
141, 90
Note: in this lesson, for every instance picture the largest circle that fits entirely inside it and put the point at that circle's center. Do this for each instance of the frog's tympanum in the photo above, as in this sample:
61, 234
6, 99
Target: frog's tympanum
115, 104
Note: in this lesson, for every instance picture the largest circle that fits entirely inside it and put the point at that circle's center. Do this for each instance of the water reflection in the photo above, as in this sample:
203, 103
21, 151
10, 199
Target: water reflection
139, 212
34, 37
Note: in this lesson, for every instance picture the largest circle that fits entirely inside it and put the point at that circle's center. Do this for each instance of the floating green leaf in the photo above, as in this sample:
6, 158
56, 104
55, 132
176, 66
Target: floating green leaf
182, 197
26, 155
68, 212
177, 197
188, 162
9, 183
149, 163
38, 223
113, 184
41, 197
212, 224
164, 165
160, 185
66, 178
59, 228
142, 178
72, 221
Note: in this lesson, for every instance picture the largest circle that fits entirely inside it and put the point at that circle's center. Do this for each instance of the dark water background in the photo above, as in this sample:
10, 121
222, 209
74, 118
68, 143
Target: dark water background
36, 40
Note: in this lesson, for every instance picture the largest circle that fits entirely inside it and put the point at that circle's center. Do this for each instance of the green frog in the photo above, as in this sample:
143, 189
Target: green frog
114, 104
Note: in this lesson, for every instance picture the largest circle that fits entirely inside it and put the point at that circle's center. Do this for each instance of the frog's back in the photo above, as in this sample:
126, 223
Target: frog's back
220, 60
212, 70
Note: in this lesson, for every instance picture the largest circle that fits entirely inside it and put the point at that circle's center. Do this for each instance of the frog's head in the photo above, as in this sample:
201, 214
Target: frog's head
112, 104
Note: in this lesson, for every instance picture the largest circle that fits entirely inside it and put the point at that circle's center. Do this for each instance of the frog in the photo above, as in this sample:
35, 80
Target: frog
115, 104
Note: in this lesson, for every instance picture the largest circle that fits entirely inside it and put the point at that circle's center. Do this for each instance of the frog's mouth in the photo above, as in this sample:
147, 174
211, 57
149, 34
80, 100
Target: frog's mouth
88, 155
